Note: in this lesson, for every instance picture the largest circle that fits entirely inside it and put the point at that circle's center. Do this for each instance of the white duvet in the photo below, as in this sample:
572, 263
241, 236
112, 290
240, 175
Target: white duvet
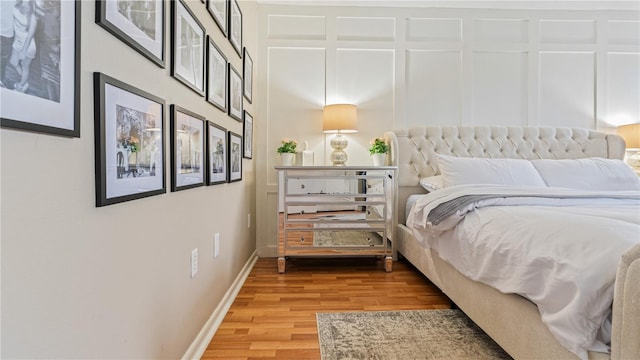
559, 248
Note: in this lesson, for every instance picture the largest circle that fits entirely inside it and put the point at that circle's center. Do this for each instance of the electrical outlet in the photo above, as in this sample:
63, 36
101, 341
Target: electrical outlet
194, 262
249, 221
216, 245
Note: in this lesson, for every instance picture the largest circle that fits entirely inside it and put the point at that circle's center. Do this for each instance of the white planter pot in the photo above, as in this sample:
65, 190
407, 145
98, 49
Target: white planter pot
287, 159
379, 159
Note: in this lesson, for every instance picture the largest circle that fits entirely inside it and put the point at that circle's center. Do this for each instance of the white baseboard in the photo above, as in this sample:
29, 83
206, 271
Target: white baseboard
200, 343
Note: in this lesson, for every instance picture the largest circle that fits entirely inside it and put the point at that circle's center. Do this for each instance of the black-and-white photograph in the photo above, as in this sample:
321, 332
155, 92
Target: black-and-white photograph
188, 48
218, 10
187, 149
138, 23
39, 66
137, 144
216, 154
216, 76
247, 75
247, 137
235, 26
235, 157
130, 151
235, 94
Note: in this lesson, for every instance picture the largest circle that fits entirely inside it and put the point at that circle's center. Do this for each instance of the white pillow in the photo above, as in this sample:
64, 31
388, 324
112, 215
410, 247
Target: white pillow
432, 183
464, 171
591, 174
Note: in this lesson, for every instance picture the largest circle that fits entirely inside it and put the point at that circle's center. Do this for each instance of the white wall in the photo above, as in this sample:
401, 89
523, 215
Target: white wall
415, 66
114, 282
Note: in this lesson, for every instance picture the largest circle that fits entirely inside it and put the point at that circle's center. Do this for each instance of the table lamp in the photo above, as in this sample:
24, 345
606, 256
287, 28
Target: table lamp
631, 135
339, 119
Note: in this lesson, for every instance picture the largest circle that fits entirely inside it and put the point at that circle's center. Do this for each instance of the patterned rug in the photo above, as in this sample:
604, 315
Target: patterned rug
404, 335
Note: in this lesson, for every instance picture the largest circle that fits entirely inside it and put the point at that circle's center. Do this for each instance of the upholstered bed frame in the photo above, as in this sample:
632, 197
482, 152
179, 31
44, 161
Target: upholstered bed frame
511, 320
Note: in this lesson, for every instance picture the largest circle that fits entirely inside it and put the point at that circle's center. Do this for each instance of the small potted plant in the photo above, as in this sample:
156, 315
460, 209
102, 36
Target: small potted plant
287, 151
378, 151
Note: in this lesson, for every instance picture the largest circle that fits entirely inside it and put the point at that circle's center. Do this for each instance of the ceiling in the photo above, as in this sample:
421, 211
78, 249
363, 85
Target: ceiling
478, 4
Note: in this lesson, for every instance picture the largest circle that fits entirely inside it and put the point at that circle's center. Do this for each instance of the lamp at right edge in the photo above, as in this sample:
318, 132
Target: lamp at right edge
631, 135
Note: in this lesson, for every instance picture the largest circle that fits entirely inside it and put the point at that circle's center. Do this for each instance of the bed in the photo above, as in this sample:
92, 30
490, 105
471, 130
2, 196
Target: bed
512, 320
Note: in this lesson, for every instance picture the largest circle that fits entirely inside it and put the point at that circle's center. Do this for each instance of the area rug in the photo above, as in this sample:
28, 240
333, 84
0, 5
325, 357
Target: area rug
346, 238
404, 335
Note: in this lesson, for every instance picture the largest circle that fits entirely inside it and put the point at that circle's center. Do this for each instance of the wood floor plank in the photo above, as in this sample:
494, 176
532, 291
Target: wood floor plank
274, 315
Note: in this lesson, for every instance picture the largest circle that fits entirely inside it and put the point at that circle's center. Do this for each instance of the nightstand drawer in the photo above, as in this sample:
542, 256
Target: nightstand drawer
309, 237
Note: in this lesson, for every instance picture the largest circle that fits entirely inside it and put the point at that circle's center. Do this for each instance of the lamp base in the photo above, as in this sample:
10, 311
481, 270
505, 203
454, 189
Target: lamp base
338, 156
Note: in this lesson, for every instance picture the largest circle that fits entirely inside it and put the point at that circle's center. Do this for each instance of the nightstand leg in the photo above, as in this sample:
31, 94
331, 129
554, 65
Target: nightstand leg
281, 265
388, 264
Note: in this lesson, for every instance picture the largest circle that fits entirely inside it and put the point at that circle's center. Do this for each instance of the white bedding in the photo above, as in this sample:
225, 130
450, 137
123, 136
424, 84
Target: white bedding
561, 252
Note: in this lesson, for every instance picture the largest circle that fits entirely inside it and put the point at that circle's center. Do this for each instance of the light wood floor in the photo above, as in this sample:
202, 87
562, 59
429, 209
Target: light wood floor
274, 315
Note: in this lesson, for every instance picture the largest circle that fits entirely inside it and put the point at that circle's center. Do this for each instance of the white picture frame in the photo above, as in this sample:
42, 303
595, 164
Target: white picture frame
219, 10
247, 76
217, 169
216, 76
235, 26
187, 149
188, 43
235, 102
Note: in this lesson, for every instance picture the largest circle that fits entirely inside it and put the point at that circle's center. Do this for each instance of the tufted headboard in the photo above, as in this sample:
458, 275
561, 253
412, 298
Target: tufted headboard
414, 150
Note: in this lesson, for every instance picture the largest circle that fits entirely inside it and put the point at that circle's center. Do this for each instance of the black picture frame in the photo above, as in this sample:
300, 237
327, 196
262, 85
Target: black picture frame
54, 102
219, 10
247, 136
217, 70
129, 142
191, 71
217, 169
235, 26
139, 24
187, 149
247, 76
235, 104
234, 159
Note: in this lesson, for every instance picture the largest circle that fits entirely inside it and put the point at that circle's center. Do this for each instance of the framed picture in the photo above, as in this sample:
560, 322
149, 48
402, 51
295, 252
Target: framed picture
235, 157
247, 75
216, 76
235, 94
139, 24
41, 91
219, 10
217, 171
187, 149
129, 140
247, 136
187, 47
235, 26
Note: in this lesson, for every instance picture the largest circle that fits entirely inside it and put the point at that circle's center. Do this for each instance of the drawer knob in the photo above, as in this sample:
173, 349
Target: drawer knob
302, 186
302, 239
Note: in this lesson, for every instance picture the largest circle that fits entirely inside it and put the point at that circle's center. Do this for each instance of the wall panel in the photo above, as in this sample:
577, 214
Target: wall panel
365, 78
623, 92
434, 87
500, 31
624, 32
499, 89
434, 29
568, 31
296, 90
567, 88
366, 29
296, 27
